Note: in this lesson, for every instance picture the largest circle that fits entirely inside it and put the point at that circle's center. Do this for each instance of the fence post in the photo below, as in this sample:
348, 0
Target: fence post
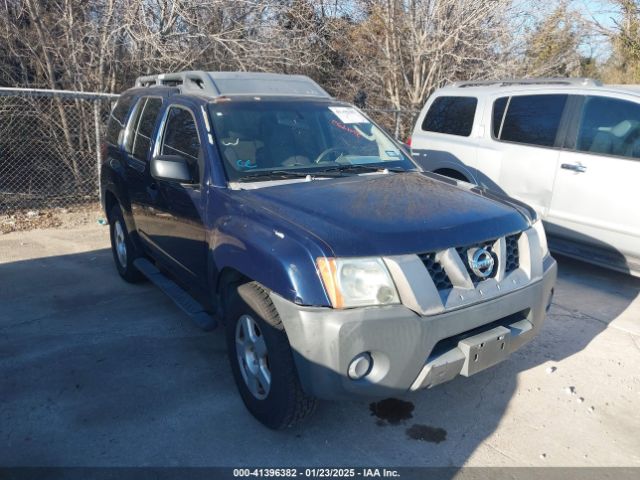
96, 123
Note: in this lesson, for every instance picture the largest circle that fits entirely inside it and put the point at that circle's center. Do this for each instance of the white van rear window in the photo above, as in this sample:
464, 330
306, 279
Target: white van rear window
451, 115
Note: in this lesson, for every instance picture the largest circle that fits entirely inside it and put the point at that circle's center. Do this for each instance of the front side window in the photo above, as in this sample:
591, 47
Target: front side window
142, 141
533, 119
181, 134
258, 138
609, 126
451, 115
181, 138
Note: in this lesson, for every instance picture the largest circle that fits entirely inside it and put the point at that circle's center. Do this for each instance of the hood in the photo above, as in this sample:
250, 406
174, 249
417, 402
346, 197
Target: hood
389, 214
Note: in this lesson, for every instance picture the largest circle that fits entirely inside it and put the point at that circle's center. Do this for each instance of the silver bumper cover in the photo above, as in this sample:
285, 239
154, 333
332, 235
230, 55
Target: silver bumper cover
409, 350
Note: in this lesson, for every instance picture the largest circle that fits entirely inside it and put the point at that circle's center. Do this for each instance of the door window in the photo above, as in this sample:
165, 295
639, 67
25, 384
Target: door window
117, 118
142, 141
181, 138
609, 126
452, 115
533, 119
499, 106
132, 124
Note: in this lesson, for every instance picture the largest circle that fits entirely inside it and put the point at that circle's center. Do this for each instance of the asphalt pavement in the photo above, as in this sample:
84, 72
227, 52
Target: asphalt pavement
98, 372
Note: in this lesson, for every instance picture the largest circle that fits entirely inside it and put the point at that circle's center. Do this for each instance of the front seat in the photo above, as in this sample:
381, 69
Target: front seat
279, 145
602, 143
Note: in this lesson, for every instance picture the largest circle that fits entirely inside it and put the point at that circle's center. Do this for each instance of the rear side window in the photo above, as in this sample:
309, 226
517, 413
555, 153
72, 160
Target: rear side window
142, 141
117, 118
451, 115
609, 126
132, 124
533, 119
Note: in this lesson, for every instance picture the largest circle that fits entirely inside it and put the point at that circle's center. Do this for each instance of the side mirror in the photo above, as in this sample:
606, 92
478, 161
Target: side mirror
172, 168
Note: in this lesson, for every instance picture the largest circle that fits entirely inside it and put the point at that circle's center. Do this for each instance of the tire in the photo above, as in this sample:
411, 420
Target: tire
124, 252
280, 402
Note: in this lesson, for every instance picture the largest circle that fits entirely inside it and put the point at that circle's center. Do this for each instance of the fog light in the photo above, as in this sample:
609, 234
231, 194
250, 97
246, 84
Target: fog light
360, 366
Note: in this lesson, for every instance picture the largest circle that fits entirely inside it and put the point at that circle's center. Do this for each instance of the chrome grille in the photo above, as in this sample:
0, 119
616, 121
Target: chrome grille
513, 253
436, 271
462, 251
510, 257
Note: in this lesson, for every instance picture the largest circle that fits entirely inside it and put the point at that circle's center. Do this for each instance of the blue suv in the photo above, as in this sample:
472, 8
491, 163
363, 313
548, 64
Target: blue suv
336, 265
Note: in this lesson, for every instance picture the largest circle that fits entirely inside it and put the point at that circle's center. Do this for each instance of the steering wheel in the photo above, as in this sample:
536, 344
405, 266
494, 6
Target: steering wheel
326, 152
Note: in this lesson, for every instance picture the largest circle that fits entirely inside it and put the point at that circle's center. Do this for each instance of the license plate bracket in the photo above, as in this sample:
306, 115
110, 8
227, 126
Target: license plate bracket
484, 350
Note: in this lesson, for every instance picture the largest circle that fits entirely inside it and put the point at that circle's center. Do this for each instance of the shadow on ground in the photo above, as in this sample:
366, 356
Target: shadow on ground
97, 372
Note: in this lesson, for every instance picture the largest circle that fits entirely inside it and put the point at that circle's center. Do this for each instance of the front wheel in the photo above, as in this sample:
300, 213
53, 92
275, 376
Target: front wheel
262, 360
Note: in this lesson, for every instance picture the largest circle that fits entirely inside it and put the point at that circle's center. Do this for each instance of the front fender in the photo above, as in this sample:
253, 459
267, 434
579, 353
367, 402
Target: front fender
280, 258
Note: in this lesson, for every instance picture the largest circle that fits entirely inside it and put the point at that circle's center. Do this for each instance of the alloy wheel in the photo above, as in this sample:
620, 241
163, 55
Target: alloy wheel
253, 358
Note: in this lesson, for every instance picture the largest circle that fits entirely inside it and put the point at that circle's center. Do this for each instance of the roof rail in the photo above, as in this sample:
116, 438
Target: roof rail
584, 82
235, 83
191, 80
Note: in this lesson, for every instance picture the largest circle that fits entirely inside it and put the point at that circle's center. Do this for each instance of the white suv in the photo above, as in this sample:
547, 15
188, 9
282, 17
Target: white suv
570, 148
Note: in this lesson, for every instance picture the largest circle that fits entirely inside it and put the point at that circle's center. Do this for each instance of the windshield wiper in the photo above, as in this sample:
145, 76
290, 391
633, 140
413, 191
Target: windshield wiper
363, 168
275, 174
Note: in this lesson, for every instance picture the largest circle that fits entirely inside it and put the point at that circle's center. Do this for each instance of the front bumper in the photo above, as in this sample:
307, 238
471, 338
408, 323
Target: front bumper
401, 342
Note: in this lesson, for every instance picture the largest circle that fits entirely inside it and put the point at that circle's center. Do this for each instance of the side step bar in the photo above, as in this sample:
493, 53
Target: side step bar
180, 297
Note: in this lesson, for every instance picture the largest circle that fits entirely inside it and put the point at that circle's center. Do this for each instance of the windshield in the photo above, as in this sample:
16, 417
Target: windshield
262, 138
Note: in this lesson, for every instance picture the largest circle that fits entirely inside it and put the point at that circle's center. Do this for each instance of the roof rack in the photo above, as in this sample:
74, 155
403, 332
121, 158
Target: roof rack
583, 82
236, 83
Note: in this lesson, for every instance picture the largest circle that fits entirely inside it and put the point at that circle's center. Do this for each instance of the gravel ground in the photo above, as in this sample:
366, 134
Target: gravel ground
97, 372
25, 220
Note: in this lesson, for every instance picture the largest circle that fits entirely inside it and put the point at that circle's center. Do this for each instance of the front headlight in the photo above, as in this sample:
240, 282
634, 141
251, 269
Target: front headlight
357, 282
542, 238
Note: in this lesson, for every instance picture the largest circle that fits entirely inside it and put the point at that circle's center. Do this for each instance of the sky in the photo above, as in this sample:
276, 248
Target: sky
601, 13
605, 14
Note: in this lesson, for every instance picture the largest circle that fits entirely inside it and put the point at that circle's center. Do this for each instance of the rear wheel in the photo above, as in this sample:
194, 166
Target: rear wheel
124, 252
262, 360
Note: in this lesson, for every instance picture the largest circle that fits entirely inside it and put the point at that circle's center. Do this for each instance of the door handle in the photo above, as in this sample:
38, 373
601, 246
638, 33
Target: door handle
574, 167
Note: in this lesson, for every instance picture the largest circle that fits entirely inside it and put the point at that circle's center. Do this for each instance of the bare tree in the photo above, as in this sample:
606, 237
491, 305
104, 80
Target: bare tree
552, 47
102, 45
623, 65
394, 52
399, 51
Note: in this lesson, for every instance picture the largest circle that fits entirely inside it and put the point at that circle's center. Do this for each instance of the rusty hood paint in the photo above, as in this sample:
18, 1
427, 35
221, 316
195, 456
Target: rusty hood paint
388, 214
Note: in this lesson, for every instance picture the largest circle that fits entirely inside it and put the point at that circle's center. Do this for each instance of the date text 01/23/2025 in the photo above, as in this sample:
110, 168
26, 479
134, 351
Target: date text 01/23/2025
315, 472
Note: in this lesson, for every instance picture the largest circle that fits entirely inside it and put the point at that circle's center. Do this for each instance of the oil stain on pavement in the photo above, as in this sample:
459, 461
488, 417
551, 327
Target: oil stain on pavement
391, 411
425, 433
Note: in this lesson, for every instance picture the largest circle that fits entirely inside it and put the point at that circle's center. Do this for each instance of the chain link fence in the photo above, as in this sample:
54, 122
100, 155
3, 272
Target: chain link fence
49, 145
